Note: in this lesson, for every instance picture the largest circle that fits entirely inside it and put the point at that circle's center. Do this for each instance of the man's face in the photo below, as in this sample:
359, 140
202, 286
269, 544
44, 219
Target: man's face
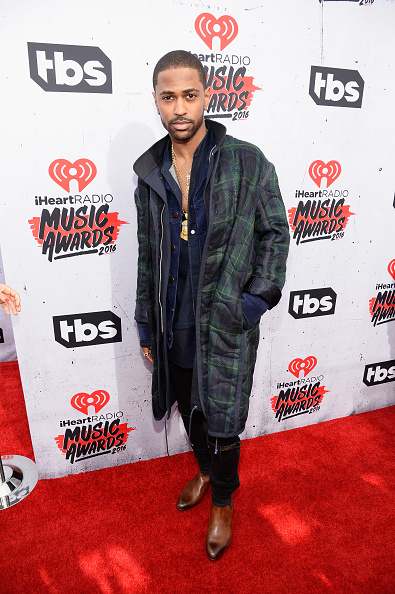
181, 100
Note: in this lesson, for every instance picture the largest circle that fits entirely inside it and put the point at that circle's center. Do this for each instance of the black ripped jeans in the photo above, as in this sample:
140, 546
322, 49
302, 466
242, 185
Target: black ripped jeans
216, 456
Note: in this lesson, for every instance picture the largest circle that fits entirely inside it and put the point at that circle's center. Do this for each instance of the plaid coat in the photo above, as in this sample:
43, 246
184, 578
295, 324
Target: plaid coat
245, 250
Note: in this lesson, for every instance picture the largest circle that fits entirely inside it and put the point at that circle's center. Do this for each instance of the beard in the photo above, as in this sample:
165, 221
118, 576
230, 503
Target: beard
183, 135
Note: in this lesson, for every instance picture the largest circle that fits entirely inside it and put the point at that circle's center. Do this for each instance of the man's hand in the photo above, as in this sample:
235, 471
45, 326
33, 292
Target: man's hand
9, 300
147, 354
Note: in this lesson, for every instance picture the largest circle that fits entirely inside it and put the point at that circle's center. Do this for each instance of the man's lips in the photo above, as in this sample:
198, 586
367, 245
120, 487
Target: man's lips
181, 124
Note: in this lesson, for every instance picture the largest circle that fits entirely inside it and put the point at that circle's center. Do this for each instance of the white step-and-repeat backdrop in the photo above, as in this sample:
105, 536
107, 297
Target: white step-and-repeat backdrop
312, 84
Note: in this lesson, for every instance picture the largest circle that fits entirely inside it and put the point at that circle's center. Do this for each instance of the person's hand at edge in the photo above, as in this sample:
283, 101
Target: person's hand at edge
9, 300
147, 354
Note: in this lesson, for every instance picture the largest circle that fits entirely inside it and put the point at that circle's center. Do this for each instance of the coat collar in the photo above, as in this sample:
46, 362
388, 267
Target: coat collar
152, 159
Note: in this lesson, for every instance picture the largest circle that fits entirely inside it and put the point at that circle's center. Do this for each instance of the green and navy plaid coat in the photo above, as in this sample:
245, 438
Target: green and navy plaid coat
245, 250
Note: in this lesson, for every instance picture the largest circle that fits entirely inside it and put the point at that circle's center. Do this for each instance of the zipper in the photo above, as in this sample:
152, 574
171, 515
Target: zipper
213, 150
160, 268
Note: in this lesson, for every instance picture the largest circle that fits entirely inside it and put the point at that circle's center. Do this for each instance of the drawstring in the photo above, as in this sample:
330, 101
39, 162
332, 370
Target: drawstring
190, 425
216, 446
167, 442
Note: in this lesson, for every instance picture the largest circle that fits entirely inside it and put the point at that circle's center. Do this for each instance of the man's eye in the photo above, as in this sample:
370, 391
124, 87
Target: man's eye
191, 95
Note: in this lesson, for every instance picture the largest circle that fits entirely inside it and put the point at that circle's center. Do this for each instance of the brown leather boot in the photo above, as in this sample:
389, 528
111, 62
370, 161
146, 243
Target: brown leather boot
194, 492
219, 531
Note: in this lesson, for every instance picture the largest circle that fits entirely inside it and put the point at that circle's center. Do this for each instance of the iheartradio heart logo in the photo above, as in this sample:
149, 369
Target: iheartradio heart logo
318, 170
208, 27
97, 399
296, 366
62, 172
391, 268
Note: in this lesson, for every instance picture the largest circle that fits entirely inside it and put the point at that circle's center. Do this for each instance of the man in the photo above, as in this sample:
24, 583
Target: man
213, 241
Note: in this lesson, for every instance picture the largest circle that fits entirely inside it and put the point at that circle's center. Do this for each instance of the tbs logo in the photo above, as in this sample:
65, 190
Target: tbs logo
379, 373
77, 330
336, 86
312, 302
70, 68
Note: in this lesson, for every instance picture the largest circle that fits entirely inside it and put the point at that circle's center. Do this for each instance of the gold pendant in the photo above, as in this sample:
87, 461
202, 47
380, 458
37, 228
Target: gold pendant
184, 227
184, 230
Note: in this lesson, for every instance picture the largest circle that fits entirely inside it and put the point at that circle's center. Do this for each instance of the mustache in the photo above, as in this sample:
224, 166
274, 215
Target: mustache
179, 120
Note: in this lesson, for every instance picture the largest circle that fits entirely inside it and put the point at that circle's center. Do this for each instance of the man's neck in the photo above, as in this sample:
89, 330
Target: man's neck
185, 150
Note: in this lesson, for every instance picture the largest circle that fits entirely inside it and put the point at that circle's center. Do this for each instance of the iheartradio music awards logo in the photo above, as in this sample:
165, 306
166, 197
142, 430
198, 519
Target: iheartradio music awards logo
95, 434
82, 170
382, 307
323, 213
78, 224
360, 2
232, 90
301, 396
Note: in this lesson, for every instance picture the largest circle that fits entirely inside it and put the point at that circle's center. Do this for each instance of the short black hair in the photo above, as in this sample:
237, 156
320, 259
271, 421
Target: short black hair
179, 59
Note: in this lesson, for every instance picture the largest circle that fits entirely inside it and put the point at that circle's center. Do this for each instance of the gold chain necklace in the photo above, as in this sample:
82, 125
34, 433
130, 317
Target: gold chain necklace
184, 224
174, 156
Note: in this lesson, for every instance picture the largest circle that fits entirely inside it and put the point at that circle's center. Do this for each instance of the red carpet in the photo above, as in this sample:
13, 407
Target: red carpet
315, 513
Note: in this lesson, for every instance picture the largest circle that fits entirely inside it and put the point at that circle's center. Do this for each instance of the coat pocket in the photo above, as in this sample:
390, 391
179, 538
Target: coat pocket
253, 308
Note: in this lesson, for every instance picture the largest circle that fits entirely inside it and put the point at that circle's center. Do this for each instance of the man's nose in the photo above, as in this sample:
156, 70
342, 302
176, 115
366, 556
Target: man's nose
180, 107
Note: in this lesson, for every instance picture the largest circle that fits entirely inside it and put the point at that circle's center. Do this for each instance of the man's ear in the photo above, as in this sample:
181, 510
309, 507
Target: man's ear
156, 103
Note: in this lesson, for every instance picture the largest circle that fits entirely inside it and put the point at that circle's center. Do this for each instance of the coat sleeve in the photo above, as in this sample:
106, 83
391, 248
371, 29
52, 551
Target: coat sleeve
272, 235
140, 315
